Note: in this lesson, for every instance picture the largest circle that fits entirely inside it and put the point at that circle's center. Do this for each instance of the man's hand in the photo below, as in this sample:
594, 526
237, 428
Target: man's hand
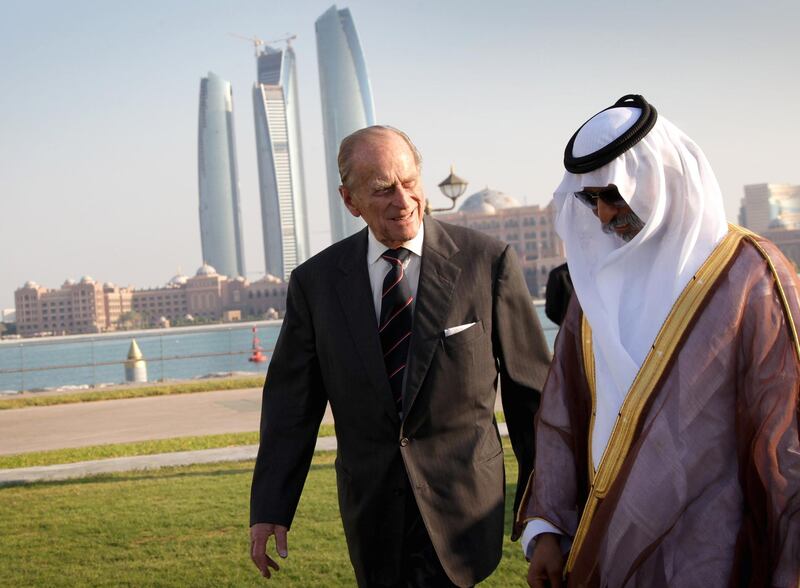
259, 534
547, 562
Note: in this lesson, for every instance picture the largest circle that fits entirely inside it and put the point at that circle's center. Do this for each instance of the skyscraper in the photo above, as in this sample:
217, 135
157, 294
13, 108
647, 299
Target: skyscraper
284, 217
220, 213
346, 102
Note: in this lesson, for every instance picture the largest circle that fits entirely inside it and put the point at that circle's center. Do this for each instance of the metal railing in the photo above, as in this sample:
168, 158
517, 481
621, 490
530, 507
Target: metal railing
98, 360
179, 353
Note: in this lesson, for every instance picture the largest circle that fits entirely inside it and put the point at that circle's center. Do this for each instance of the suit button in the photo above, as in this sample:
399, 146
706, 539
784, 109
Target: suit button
404, 441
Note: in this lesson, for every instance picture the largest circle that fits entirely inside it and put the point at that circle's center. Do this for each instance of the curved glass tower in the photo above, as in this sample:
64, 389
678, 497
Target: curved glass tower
284, 218
220, 212
346, 102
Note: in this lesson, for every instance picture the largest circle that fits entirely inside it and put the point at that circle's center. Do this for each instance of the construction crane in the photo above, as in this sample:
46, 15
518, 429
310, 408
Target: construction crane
259, 42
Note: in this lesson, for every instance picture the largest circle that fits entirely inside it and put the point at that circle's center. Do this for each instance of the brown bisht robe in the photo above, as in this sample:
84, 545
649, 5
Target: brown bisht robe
709, 493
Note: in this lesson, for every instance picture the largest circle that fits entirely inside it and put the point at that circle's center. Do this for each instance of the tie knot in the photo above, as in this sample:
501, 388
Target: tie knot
401, 254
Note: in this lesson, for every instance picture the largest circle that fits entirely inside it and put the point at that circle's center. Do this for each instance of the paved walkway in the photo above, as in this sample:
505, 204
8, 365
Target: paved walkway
42, 428
148, 462
136, 419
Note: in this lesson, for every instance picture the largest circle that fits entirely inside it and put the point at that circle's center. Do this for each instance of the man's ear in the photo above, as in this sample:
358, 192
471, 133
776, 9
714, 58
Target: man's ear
347, 197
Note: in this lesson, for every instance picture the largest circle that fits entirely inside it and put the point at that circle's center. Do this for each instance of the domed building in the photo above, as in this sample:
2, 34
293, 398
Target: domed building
88, 306
488, 201
206, 270
177, 281
73, 308
526, 228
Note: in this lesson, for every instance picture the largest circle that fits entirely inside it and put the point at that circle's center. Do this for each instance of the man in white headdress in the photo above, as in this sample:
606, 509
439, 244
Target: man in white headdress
667, 437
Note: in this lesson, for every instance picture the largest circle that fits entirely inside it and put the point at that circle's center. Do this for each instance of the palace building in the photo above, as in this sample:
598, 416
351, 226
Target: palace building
88, 306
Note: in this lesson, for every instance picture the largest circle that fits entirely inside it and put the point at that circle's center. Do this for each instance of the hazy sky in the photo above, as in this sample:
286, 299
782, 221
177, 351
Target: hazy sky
99, 106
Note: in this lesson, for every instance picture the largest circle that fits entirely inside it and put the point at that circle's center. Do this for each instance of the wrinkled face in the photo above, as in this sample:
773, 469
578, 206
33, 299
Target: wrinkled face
614, 214
386, 190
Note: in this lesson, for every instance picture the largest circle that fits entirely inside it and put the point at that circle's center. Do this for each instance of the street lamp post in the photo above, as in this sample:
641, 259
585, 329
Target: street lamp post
453, 187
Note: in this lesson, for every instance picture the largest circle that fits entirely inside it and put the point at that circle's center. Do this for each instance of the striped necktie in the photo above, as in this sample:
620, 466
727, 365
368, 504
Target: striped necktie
394, 325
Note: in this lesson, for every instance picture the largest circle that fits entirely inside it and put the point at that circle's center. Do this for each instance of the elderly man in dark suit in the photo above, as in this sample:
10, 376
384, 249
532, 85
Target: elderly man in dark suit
403, 328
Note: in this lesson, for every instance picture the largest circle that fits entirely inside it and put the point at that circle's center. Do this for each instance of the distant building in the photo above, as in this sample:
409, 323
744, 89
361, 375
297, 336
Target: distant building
346, 103
773, 211
77, 307
218, 178
284, 212
770, 206
788, 241
89, 307
528, 229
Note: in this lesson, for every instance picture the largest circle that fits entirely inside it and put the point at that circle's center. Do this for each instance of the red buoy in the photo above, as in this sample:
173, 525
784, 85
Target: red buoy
257, 356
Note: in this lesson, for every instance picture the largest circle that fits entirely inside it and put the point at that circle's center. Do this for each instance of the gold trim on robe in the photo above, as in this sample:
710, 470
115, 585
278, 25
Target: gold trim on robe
588, 368
644, 384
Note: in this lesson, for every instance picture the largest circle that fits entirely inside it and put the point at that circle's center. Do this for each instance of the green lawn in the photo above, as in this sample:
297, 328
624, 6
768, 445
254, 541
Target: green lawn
206, 385
178, 527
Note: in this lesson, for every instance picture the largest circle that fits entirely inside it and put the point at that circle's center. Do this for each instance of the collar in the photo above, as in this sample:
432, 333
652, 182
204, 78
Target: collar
375, 248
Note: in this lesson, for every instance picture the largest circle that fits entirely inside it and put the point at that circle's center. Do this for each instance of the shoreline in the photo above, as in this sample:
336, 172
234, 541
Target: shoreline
86, 388
143, 333
16, 341
207, 345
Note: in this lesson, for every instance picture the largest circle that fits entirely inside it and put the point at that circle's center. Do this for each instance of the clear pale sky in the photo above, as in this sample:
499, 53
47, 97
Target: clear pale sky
99, 106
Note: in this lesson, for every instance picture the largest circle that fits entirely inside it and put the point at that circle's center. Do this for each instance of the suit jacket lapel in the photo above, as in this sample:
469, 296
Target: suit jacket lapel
437, 280
355, 295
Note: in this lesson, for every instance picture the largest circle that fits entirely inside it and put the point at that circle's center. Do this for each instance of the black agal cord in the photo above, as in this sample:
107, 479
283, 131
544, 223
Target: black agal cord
642, 126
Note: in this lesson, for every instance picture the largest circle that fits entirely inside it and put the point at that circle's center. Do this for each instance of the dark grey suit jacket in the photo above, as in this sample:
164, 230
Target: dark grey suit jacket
447, 445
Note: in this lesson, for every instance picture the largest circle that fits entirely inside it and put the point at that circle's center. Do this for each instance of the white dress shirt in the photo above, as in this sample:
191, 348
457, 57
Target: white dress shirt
378, 267
536, 527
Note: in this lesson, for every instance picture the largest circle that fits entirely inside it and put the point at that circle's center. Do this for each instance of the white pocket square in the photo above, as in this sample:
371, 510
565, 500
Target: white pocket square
453, 330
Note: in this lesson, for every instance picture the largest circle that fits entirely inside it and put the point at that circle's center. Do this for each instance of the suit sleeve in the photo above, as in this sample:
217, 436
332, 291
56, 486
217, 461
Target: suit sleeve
292, 407
523, 360
557, 293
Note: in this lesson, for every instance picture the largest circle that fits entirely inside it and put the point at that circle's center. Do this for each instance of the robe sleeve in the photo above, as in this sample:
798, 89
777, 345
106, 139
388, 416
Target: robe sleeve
767, 423
559, 480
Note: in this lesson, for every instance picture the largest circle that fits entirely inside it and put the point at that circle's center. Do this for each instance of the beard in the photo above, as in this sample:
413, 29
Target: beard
635, 224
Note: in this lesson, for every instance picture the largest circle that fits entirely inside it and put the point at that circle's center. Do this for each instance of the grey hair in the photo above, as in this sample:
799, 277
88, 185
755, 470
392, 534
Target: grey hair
348, 146
634, 222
